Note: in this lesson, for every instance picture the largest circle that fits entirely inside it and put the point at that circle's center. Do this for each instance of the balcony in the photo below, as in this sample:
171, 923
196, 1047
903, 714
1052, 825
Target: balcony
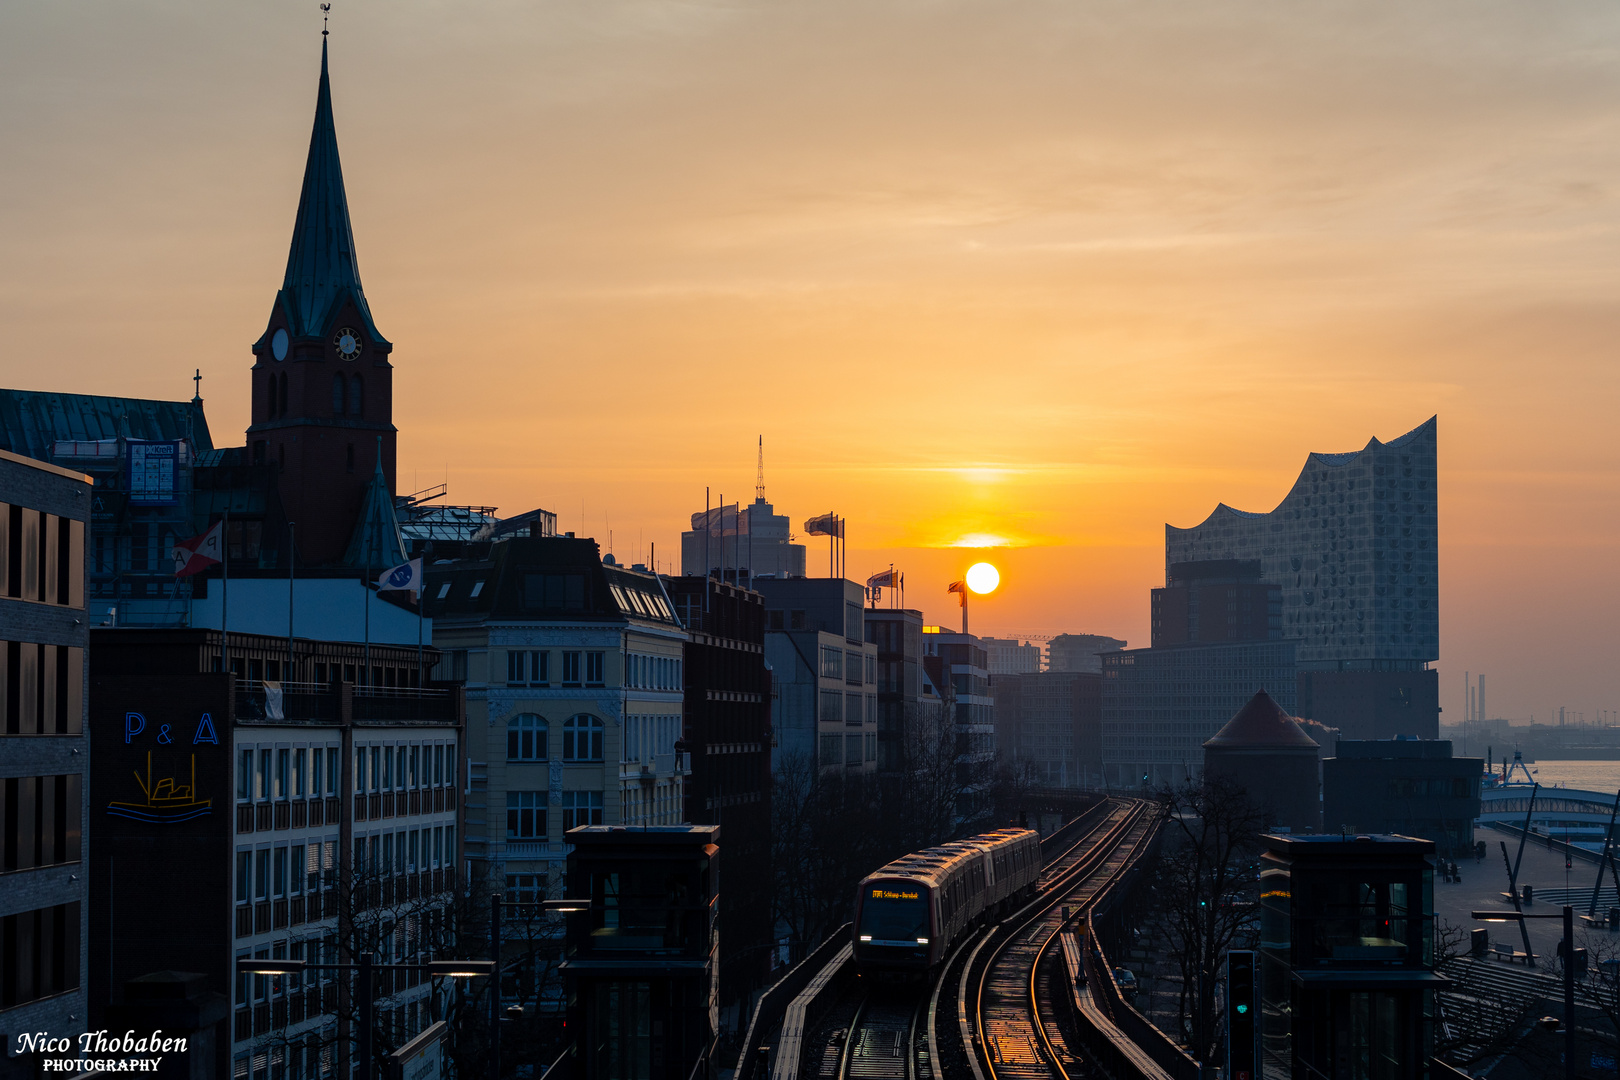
403, 703
534, 849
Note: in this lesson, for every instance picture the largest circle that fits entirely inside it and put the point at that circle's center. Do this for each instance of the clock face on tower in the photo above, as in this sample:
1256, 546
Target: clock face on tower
278, 345
347, 343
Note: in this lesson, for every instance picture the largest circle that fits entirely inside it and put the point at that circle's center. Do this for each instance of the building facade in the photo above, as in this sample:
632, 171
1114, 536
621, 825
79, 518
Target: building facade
1049, 726
823, 673
1159, 705
1213, 602
740, 543
1008, 657
574, 669
959, 666
44, 754
1353, 546
1407, 786
303, 818
911, 712
1080, 652
726, 732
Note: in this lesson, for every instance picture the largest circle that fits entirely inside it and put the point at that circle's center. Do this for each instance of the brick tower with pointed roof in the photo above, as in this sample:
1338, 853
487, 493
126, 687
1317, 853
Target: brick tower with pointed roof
322, 382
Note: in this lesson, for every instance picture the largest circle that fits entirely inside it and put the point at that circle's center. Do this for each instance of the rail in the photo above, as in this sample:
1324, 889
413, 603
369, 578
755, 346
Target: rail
1004, 1032
774, 1002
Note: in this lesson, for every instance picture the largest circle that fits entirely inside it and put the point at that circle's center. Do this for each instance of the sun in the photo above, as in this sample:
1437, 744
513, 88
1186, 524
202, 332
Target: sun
983, 578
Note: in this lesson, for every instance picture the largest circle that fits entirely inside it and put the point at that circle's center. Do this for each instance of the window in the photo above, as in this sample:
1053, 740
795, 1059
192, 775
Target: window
832, 707
279, 865
832, 749
525, 888
525, 816
526, 738
261, 874
42, 952
595, 668
581, 808
565, 592
853, 708
244, 875
570, 669
357, 396
298, 773
852, 749
527, 668
244, 775
582, 738
338, 407
832, 663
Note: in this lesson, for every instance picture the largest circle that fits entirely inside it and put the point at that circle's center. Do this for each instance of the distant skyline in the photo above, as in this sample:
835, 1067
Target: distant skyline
1052, 274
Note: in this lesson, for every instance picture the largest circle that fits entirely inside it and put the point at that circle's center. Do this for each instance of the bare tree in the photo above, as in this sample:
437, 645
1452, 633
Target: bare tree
407, 919
1202, 881
831, 826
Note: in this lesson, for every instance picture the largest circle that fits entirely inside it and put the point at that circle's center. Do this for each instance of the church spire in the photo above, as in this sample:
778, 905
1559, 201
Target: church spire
321, 267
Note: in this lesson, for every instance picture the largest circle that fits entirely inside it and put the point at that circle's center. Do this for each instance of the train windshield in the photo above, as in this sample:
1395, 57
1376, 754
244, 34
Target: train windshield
894, 914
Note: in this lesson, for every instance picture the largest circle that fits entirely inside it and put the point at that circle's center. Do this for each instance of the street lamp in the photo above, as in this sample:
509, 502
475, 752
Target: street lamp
1568, 915
981, 578
454, 969
497, 904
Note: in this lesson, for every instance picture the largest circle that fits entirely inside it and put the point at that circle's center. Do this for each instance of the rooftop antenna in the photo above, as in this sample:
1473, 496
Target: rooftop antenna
325, 11
759, 476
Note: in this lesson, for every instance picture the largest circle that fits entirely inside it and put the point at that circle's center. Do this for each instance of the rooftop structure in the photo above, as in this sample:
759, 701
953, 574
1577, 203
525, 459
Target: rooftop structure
1353, 546
1264, 751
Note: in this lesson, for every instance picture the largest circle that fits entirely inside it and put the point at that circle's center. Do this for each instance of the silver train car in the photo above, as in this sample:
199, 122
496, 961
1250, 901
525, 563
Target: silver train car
911, 912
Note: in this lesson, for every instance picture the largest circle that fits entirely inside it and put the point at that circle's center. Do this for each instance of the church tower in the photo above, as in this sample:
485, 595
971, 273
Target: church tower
322, 385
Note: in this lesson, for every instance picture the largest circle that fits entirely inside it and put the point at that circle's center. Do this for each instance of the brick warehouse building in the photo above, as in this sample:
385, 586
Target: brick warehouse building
230, 820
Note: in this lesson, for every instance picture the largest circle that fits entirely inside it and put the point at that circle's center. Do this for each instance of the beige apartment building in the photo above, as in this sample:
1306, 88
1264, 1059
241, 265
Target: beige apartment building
573, 670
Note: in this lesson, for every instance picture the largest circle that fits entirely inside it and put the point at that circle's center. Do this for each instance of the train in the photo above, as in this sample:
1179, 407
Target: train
910, 913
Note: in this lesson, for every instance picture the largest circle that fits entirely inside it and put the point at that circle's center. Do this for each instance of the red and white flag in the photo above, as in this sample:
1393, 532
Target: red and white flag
200, 552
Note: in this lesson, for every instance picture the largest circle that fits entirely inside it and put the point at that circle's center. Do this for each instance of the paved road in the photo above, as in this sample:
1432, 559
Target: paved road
1483, 883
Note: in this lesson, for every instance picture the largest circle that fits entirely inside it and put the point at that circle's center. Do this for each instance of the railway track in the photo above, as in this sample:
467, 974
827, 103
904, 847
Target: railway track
894, 1033
1008, 1027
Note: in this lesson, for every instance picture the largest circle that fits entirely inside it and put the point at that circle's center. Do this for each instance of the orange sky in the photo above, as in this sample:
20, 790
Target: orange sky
1055, 271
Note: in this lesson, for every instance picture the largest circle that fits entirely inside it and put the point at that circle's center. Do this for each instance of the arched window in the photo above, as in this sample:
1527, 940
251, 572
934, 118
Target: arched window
582, 738
270, 395
357, 396
526, 738
337, 395
282, 409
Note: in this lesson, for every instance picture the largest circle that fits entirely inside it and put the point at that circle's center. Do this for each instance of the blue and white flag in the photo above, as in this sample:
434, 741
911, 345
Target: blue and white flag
406, 577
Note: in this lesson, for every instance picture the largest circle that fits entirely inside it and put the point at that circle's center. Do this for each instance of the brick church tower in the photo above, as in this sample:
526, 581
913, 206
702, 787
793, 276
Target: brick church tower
323, 396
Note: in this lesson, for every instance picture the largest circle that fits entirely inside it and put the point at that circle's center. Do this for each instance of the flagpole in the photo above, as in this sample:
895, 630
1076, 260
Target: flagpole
225, 598
292, 549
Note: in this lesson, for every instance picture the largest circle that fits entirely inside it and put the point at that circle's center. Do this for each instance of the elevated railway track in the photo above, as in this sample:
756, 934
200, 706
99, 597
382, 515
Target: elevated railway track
986, 1014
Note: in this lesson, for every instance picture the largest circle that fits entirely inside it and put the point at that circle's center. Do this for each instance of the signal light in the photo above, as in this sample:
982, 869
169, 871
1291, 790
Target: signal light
1242, 1044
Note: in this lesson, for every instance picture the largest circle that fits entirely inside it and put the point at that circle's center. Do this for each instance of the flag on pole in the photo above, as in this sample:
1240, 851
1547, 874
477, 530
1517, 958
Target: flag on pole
959, 587
406, 577
825, 525
200, 552
888, 579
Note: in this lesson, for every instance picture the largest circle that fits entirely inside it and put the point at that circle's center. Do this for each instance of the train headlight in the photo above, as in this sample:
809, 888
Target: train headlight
866, 937
922, 941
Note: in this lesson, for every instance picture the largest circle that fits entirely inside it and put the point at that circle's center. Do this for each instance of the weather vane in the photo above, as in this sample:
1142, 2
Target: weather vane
325, 11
